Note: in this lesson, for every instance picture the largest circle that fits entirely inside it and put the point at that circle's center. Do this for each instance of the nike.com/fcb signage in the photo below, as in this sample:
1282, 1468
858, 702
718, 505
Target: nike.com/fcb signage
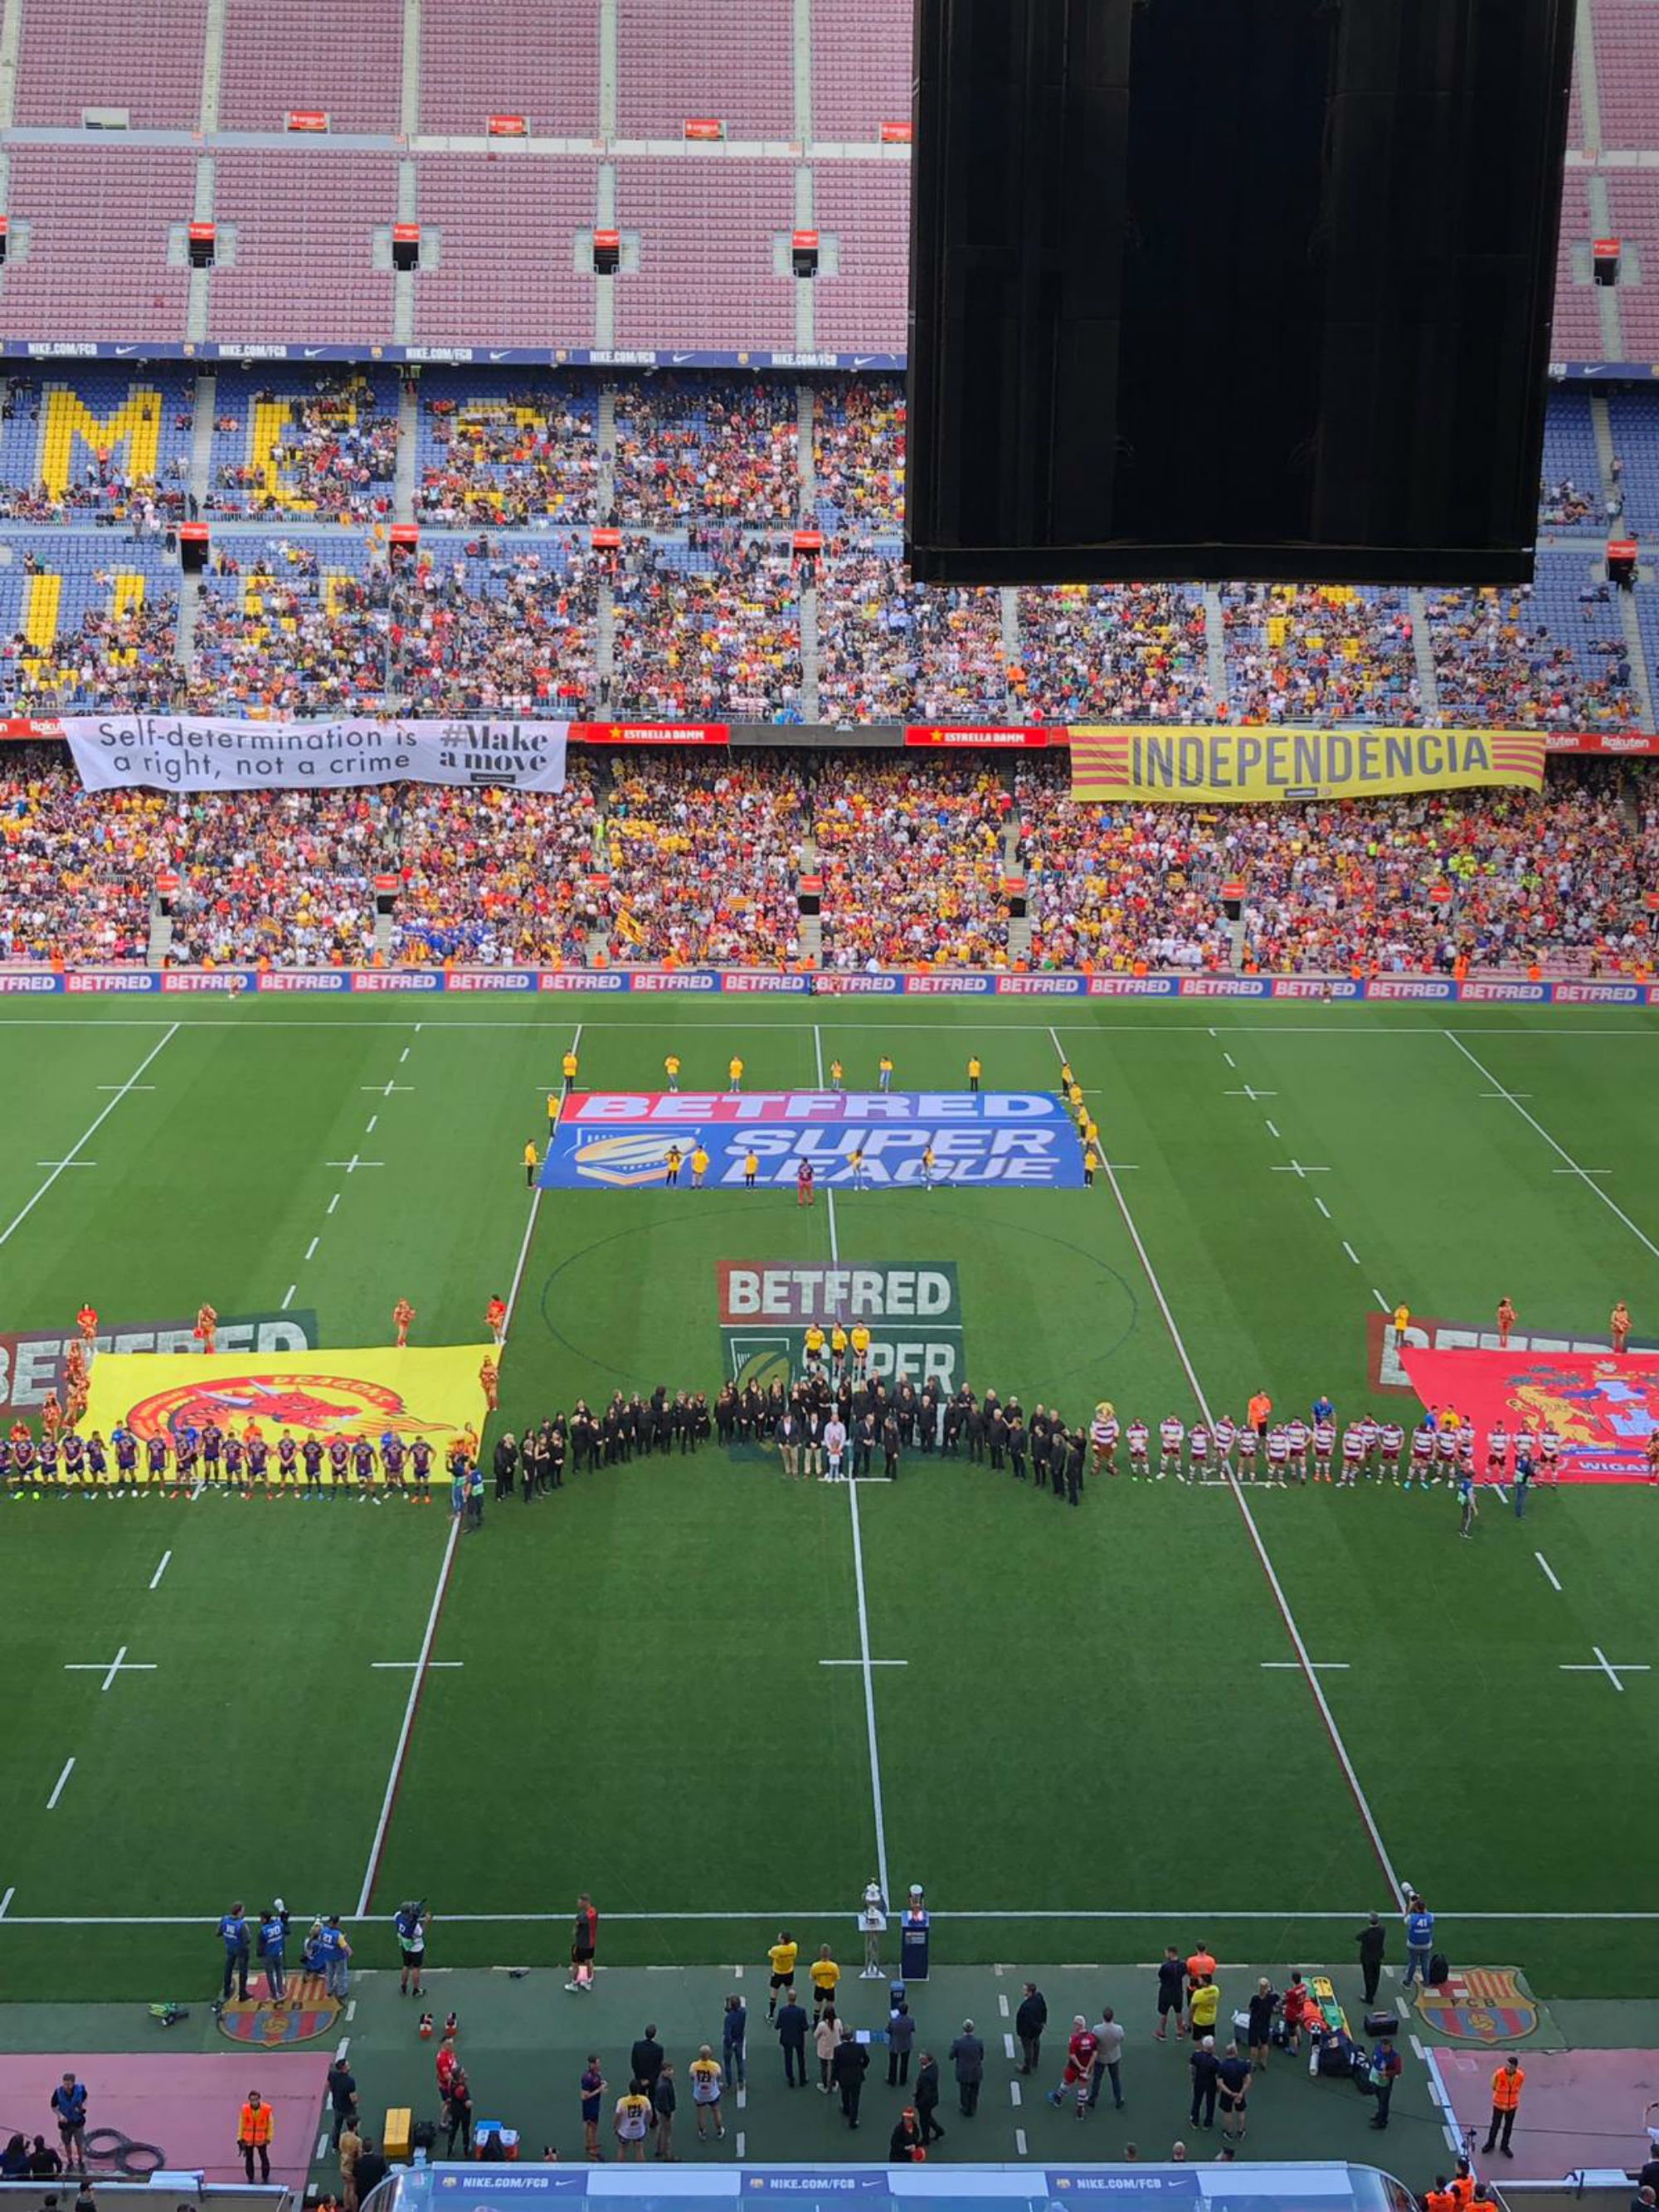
621, 1140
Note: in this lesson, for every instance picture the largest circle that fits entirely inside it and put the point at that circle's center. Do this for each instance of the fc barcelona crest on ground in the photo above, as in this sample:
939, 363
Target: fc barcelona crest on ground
305, 2012
1487, 2004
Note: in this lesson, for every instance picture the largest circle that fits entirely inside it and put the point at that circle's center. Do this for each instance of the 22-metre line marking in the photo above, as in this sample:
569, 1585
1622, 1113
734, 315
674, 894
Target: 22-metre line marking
1361, 1802
866, 1662
423, 1661
70, 1158
1584, 1175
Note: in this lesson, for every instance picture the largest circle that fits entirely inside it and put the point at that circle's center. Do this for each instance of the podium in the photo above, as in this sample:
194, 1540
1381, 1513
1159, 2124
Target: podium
913, 1945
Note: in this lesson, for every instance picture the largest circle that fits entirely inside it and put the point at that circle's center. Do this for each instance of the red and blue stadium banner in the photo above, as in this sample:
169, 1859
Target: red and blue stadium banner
886, 983
621, 1140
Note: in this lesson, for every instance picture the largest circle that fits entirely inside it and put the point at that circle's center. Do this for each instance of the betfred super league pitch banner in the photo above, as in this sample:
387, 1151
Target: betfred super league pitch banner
1223, 766
195, 752
1603, 1408
621, 1140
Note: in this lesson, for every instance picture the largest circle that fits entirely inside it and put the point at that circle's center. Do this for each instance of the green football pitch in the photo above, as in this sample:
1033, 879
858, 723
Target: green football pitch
722, 1701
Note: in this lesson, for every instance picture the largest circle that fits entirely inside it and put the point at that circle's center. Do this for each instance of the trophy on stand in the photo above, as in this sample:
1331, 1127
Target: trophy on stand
872, 1925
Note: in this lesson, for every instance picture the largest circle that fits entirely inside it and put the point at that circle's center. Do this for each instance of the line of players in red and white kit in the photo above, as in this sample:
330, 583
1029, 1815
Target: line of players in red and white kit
1442, 1447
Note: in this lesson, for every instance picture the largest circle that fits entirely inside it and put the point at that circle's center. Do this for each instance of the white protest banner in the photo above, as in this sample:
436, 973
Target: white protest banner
190, 752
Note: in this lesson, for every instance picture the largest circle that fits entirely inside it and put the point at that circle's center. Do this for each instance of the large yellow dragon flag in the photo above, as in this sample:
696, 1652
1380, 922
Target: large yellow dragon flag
1217, 766
434, 1394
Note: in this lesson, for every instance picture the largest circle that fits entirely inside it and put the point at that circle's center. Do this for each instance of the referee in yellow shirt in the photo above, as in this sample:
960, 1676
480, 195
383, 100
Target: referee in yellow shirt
826, 1975
567, 1068
782, 1955
530, 1165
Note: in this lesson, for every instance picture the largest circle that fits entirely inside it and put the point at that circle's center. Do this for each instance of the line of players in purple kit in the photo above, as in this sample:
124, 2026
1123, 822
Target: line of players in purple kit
1442, 1447
212, 1456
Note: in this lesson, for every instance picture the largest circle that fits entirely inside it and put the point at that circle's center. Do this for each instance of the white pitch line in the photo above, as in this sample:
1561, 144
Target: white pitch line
1019, 2140
1002, 2007
291, 1293
1015, 2097
5, 1901
122, 1089
351, 2012
403, 1055
397, 1665
864, 1663
743, 2141
311, 1248
1231, 1062
1321, 1204
1349, 1250
1378, 1296
342, 2046
373, 1119
1273, 1132
418, 1676
69, 1158
1361, 1800
322, 2145
161, 1570
334, 1201
1548, 1570
1294, 1666
61, 1165
1532, 1122
1008, 2040
58, 1792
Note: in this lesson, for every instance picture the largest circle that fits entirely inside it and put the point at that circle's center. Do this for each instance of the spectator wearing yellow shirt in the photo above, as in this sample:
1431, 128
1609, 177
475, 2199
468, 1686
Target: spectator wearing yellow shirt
826, 1976
782, 1955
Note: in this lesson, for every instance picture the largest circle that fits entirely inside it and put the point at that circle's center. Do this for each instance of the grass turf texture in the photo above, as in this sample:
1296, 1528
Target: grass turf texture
1084, 1726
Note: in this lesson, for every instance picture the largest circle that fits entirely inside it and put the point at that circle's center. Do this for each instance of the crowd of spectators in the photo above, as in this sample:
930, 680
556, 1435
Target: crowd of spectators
858, 454
1117, 652
487, 627
694, 856
333, 456
1497, 662
113, 659
888, 652
1561, 878
912, 860
710, 632
690, 449
525, 459
1299, 653
99, 485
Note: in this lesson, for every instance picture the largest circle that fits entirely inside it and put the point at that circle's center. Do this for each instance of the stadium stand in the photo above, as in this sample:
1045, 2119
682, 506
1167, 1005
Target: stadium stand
680, 60
695, 449
143, 58
329, 452
304, 262
286, 55
484, 58
476, 289
88, 251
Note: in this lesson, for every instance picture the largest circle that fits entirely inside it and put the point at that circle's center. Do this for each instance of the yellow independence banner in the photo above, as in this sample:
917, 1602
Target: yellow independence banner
1225, 767
434, 1393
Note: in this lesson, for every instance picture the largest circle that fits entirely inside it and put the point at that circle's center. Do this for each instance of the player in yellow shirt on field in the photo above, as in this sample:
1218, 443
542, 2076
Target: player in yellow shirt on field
928, 1167
782, 1955
855, 1162
699, 1167
1067, 1080
838, 1349
552, 1111
568, 1066
814, 1347
860, 1339
675, 1159
1091, 1131
670, 1068
735, 1071
751, 1169
837, 1076
974, 1071
530, 1165
1402, 1315
1091, 1161
826, 1975
1074, 1097
884, 1074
